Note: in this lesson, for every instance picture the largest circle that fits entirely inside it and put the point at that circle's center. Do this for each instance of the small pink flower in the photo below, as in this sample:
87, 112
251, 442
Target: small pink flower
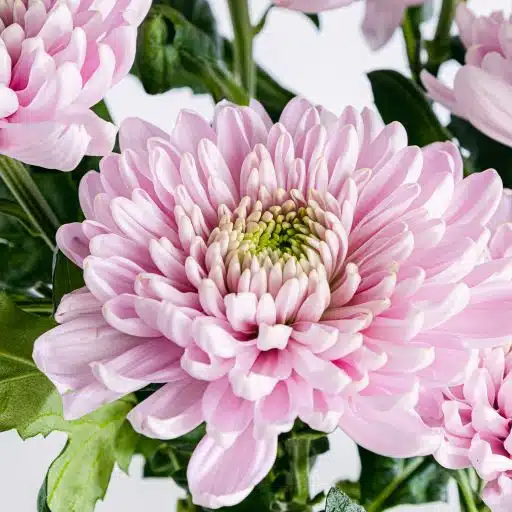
58, 58
381, 18
476, 416
318, 268
482, 89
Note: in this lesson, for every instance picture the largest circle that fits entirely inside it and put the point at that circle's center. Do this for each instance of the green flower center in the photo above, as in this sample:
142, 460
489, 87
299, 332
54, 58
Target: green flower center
279, 230
294, 229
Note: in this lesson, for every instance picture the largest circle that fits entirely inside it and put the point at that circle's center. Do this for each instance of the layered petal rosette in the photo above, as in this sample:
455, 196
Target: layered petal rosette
476, 416
317, 268
482, 91
381, 18
58, 58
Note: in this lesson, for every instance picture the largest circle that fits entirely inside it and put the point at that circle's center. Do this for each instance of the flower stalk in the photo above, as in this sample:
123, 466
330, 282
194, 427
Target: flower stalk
20, 183
465, 491
243, 44
298, 449
379, 503
413, 42
439, 48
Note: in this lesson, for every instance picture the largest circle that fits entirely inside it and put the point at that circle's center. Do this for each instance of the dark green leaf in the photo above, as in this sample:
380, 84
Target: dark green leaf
42, 504
429, 483
458, 50
198, 13
400, 481
338, 501
377, 473
25, 261
314, 18
66, 277
351, 489
25, 392
170, 458
173, 31
79, 477
399, 99
484, 152
61, 192
102, 110
14, 210
320, 445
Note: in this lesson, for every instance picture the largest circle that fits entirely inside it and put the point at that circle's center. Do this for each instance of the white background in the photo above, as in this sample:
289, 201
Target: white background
328, 68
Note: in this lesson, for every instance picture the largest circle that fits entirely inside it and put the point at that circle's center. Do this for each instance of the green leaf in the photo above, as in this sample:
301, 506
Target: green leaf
338, 501
399, 99
377, 473
351, 489
428, 484
458, 50
484, 152
173, 31
102, 110
42, 504
170, 458
66, 278
314, 18
79, 477
125, 445
25, 393
392, 482
14, 210
25, 261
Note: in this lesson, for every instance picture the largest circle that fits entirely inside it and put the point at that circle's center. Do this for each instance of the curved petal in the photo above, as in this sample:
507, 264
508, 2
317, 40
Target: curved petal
220, 477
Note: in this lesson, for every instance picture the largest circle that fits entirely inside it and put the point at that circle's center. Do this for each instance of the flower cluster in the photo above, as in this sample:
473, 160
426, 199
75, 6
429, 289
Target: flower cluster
483, 86
317, 268
381, 19
475, 416
58, 59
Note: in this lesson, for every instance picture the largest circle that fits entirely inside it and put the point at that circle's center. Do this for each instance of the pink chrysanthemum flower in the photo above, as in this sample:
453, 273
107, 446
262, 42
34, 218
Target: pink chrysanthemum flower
381, 18
482, 90
58, 59
476, 416
316, 268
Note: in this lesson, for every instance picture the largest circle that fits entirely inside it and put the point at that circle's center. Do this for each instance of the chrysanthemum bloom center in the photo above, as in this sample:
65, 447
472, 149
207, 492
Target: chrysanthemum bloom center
282, 250
255, 238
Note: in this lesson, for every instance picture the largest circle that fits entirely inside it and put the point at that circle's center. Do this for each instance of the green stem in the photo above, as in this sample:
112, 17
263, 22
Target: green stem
299, 449
465, 491
22, 186
439, 47
412, 39
445, 20
244, 33
36, 306
218, 80
379, 502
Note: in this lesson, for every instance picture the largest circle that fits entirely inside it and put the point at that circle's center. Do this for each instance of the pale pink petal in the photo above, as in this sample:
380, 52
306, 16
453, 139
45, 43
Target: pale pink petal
172, 411
218, 477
